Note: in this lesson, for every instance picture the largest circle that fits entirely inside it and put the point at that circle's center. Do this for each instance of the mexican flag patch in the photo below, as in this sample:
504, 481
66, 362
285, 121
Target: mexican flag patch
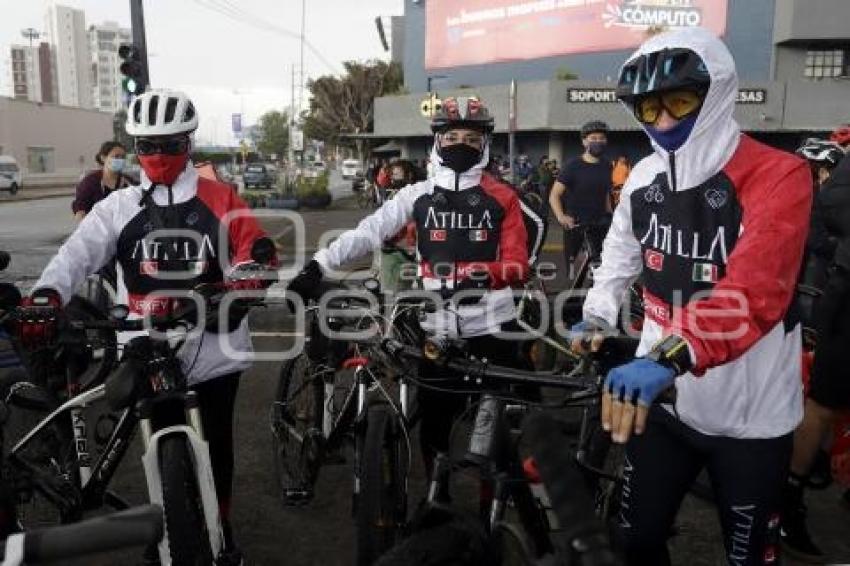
705, 273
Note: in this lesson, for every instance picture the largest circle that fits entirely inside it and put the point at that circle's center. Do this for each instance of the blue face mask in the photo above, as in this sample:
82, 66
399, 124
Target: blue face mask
672, 139
116, 164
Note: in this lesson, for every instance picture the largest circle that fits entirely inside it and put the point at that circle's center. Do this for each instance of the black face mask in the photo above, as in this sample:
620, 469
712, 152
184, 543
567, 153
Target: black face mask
460, 157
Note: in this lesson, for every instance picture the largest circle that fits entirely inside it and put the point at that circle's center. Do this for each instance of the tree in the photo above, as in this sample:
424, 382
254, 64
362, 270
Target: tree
564, 74
346, 104
274, 133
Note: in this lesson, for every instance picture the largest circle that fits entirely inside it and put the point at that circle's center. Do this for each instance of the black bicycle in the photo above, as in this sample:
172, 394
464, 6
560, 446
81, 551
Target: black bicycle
341, 391
494, 448
51, 470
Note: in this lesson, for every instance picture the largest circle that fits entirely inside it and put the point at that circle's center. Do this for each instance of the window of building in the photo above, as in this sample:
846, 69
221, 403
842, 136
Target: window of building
827, 63
40, 159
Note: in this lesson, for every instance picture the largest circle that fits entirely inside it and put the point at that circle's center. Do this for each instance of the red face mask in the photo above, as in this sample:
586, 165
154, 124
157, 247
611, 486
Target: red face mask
163, 169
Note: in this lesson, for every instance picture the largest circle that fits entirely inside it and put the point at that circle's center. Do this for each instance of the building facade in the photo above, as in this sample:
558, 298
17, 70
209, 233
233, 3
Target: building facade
66, 29
33, 73
52, 144
793, 59
104, 41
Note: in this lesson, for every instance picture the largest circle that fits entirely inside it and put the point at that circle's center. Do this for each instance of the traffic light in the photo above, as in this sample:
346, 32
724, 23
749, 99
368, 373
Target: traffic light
134, 81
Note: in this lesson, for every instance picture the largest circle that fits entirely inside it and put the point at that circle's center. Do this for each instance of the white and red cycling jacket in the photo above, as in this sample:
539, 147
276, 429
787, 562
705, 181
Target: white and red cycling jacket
214, 233
465, 223
715, 231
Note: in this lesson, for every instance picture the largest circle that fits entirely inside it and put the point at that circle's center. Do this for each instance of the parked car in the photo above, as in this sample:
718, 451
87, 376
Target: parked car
260, 175
315, 169
10, 174
352, 168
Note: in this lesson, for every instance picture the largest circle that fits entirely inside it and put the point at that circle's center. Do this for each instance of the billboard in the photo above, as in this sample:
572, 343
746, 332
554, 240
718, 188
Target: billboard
475, 32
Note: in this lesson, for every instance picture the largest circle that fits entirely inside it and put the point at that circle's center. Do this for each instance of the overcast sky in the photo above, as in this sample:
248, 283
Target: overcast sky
219, 60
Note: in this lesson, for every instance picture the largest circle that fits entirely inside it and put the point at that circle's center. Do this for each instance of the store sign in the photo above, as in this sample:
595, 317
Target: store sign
602, 95
475, 32
580, 95
751, 96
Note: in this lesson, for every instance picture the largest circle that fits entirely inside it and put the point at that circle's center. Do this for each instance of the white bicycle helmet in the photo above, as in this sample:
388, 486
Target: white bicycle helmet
820, 151
161, 113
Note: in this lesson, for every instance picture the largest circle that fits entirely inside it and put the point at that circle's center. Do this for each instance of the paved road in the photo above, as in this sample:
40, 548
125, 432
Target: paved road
322, 532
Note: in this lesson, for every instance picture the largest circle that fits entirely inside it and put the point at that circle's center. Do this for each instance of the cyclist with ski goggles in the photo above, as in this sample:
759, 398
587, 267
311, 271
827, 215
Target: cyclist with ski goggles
701, 221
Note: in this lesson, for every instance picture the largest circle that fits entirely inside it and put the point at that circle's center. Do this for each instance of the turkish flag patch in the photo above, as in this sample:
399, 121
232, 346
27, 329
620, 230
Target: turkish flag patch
654, 260
149, 267
438, 236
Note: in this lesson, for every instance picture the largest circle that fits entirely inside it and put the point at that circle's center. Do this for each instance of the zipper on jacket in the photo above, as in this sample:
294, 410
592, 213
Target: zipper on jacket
673, 170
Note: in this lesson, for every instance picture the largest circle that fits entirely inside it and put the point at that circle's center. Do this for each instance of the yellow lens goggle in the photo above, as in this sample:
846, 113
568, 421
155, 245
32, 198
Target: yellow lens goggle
678, 103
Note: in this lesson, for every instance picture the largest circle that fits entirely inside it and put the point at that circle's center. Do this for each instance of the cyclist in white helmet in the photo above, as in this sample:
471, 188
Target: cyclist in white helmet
137, 225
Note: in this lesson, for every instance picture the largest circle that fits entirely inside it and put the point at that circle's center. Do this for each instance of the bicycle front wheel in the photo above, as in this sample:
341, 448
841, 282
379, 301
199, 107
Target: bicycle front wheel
382, 501
186, 528
455, 543
296, 424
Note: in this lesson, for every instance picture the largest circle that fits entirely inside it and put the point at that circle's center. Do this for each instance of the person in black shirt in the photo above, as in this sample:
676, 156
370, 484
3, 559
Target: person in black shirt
829, 388
580, 196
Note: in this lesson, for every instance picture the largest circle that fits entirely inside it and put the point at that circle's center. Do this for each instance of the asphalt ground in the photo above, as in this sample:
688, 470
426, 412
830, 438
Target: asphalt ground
322, 532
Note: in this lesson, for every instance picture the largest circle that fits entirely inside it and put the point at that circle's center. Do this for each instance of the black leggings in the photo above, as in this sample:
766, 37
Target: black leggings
747, 476
217, 398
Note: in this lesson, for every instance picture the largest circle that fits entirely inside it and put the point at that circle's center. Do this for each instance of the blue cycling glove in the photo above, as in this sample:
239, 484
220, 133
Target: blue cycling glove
640, 380
588, 327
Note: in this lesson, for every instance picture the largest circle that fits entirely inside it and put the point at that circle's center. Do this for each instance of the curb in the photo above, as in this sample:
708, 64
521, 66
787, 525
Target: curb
24, 198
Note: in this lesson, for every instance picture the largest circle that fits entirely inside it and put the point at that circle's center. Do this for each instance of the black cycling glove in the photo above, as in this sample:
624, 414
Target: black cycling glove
473, 288
306, 283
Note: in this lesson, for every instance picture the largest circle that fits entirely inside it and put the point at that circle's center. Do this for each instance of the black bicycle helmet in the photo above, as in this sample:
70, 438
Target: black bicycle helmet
462, 112
668, 69
821, 152
594, 127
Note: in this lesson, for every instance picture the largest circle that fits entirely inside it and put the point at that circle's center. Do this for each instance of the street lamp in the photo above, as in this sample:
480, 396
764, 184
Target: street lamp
31, 34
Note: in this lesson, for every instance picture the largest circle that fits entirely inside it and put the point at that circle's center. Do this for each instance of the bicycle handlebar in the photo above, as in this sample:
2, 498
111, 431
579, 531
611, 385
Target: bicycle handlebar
185, 313
482, 370
138, 526
585, 535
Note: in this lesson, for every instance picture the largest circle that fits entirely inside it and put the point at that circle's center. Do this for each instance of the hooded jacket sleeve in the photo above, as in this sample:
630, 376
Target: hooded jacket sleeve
621, 263
372, 231
88, 249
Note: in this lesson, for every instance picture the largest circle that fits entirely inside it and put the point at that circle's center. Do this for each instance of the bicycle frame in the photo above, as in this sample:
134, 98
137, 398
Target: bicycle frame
493, 450
93, 479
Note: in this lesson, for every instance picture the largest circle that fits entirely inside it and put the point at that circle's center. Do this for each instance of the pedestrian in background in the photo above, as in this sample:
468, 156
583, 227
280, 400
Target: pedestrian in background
581, 193
96, 186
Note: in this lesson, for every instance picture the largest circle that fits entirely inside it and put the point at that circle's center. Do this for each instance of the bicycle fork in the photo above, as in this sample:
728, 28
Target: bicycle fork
193, 436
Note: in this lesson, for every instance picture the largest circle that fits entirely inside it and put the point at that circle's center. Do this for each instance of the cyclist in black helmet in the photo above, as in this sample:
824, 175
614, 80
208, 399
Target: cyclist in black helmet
714, 223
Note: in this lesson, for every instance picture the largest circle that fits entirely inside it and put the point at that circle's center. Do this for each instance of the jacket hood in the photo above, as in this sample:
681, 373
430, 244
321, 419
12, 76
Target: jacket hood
447, 178
715, 134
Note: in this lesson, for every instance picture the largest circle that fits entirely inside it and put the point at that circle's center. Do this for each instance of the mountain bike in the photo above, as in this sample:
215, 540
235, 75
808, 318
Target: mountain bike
320, 407
442, 534
148, 390
136, 527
